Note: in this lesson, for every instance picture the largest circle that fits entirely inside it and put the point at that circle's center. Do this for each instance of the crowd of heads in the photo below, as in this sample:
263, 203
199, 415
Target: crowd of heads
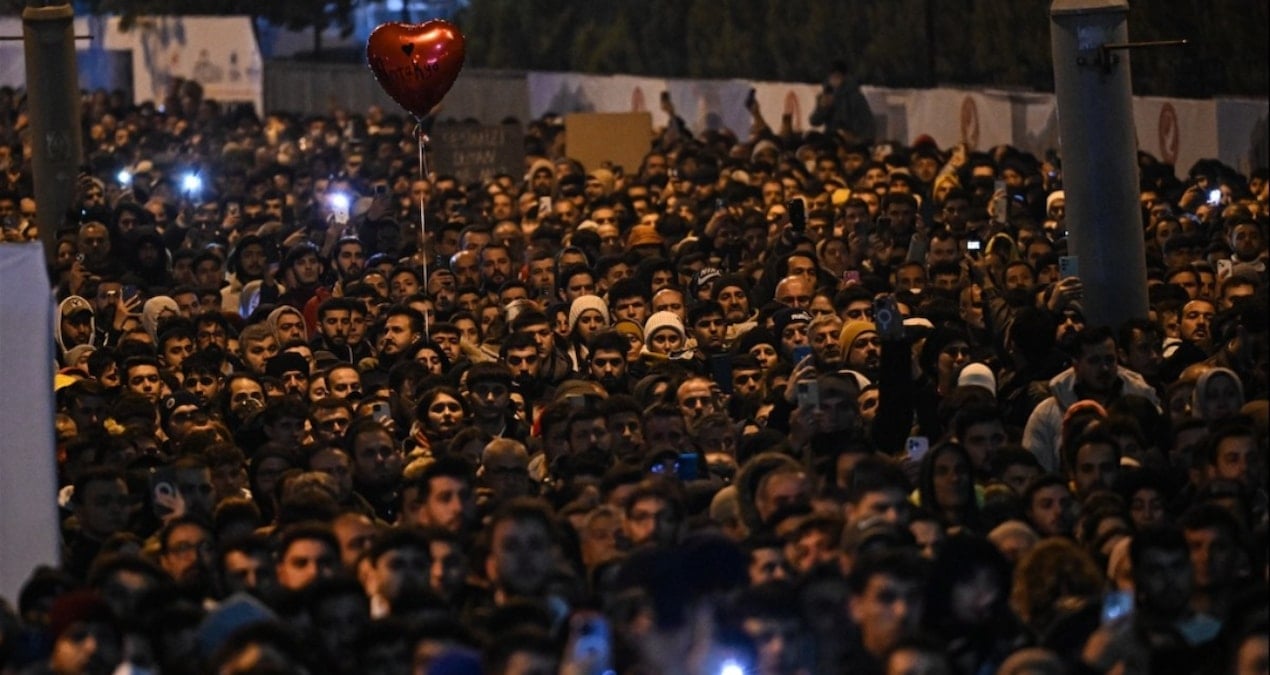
790, 402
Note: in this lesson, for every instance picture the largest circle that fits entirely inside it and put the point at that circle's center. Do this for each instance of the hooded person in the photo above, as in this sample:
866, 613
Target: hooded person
148, 258
155, 311
664, 335
285, 328
75, 325
1218, 394
240, 296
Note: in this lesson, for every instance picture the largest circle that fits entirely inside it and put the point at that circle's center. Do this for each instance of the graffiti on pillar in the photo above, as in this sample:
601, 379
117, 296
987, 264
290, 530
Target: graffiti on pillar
58, 146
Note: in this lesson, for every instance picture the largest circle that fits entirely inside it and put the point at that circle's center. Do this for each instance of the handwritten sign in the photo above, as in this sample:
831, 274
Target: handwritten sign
477, 152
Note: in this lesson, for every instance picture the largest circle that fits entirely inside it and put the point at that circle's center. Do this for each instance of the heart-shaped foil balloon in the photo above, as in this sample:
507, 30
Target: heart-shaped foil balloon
416, 64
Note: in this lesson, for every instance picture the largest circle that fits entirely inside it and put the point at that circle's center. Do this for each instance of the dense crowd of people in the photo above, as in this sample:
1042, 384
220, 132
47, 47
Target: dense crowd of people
778, 403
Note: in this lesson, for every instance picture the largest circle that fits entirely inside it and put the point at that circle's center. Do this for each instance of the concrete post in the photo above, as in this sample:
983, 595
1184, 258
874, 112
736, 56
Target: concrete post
1099, 150
53, 101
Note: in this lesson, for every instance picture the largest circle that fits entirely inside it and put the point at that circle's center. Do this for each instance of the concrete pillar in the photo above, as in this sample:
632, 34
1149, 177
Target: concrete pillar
1099, 150
53, 101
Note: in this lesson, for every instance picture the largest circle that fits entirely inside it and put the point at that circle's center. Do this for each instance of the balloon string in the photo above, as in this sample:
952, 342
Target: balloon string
423, 214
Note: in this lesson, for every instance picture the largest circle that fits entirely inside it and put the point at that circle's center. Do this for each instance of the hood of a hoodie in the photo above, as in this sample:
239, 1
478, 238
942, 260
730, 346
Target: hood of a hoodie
153, 308
71, 305
1063, 386
276, 315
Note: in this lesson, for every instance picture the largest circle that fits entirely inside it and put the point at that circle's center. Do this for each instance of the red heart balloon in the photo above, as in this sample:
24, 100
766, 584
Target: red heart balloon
416, 64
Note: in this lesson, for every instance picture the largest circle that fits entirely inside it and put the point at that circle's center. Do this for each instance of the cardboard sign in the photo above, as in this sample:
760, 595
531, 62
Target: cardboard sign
613, 139
477, 152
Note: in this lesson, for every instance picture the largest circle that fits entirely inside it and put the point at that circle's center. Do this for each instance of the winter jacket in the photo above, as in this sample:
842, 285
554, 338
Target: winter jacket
1043, 433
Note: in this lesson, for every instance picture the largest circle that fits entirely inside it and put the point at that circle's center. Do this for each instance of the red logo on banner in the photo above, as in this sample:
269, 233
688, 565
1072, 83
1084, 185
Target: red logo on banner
1170, 133
970, 123
794, 110
637, 100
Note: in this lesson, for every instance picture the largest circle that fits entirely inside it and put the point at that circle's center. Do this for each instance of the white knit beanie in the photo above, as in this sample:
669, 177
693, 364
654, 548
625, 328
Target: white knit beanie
584, 303
661, 320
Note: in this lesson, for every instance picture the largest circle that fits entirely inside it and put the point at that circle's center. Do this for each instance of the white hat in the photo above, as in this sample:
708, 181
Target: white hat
978, 375
661, 320
582, 304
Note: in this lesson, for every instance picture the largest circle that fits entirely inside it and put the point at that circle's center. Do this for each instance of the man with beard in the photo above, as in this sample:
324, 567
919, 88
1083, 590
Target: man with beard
102, 506
350, 259
590, 443
553, 366
489, 398
823, 333
627, 437
607, 363
1141, 348
377, 462
496, 266
1162, 617
187, 548
732, 294
523, 541
707, 326
1095, 376
466, 266
403, 328
520, 353
335, 324
440, 496
301, 270
861, 348
442, 290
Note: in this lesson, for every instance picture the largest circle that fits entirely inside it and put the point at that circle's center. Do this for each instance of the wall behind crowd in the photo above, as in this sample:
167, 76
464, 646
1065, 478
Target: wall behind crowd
221, 54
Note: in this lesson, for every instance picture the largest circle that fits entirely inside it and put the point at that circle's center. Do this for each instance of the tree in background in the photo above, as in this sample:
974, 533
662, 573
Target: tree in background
993, 43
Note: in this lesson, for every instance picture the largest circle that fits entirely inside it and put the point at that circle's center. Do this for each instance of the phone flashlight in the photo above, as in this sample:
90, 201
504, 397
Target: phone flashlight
124, 177
731, 667
191, 183
1214, 197
339, 202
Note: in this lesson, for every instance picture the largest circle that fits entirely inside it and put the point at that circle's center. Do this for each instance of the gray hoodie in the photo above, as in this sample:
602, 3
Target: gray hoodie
70, 306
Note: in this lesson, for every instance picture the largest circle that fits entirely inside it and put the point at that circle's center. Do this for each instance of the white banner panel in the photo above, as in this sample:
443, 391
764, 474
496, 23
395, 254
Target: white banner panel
953, 116
1177, 131
796, 99
219, 53
28, 479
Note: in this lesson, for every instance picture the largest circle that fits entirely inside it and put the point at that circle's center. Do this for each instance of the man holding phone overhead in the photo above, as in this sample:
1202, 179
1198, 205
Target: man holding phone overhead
841, 108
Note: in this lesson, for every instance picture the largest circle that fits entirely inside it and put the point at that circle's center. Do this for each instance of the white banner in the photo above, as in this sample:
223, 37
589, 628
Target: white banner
29, 531
953, 116
1176, 131
219, 53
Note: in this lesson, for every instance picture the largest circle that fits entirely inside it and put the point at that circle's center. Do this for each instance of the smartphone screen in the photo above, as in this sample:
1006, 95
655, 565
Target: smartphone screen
721, 371
797, 215
1068, 266
801, 352
917, 447
688, 466
887, 318
1002, 200
808, 394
